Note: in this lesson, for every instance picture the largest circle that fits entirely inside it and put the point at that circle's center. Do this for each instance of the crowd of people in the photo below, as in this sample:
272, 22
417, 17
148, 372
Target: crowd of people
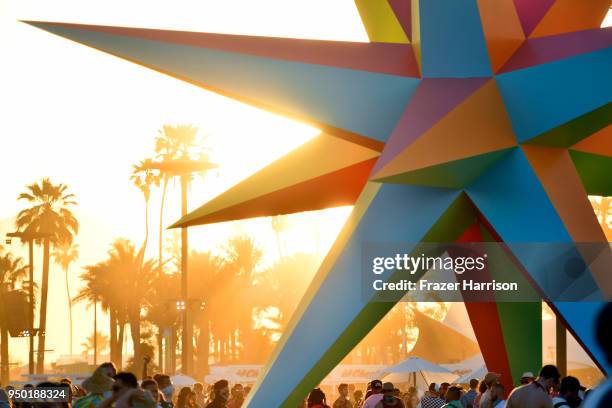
107, 388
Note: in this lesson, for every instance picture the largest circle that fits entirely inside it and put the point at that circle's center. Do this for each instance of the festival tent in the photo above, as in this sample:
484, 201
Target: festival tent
417, 372
440, 343
182, 380
478, 374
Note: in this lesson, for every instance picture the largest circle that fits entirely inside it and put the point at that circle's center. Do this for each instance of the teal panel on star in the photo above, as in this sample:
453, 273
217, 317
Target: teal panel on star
543, 97
452, 40
362, 102
398, 213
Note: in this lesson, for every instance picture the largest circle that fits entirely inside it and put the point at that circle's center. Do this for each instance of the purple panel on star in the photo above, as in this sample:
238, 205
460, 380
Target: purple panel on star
433, 99
530, 12
547, 49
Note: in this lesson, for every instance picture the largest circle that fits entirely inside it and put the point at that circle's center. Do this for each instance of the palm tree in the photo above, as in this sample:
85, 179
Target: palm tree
242, 257
144, 177
97, 344
206, 269
98, 289
49, 214
64, 256
133, 278
279, 223
172, 143
161, 311
11, 270
122, 284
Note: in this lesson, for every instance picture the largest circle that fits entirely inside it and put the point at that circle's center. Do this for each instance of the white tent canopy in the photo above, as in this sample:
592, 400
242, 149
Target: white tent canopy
181, 380
414, 365
478, 374
416, 371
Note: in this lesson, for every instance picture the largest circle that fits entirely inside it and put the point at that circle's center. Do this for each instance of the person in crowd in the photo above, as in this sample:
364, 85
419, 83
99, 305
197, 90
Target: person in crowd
527, 378
316, 399
186, 398
482, 388
247, 390
443, 388
601, 396
432, 399
536, 394
109, 369
5, 401
343, 399
411, 398
357, 398
237, 396
453, 398
124, 383
165, 386
498, 394
51, 403
490, 379
221, 394
389, 399
569, 391
467, 400
198, 388
152, 388
375, 394
96, 386
351, 393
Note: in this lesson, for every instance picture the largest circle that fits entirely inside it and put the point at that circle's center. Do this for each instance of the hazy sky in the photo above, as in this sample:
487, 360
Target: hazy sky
83, 118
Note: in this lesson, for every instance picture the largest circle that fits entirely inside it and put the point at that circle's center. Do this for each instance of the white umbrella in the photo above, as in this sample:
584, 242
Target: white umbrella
403, 372
415, 364
182, 380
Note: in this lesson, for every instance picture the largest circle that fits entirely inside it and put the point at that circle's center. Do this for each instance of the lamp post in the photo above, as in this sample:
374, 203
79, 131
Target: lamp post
30, 237
184, 168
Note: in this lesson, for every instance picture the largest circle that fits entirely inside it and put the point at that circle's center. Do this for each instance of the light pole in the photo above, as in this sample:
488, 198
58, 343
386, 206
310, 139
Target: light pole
29, 237
184, 168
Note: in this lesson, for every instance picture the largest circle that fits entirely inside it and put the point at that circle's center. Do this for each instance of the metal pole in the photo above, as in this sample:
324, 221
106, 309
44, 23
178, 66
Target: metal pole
187, 340
31, 294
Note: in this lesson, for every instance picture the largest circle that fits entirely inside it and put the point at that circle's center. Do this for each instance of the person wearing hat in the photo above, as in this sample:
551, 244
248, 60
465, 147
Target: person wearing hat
96, 386
536, 394
490, 380
527, 378
375, 394
568, 394
389, 399
432, 399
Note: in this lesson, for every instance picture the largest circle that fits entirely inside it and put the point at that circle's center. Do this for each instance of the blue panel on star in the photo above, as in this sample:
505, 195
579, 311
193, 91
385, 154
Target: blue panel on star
543, 97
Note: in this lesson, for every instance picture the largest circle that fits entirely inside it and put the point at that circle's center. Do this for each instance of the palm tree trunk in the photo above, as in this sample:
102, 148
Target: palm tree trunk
69, 307
203, 345
119, 362
135, 331
146, 240
160, 349
113, 336
95, 361
40, 362
4, 356
161, 223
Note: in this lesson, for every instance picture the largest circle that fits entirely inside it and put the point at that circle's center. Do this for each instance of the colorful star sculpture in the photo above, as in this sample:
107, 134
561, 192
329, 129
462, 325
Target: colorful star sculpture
461, 120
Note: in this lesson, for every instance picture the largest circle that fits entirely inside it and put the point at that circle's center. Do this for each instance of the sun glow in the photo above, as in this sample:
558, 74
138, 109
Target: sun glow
84, 118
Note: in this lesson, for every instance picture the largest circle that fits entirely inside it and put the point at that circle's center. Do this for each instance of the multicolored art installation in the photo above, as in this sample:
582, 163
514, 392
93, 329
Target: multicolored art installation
462, 120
